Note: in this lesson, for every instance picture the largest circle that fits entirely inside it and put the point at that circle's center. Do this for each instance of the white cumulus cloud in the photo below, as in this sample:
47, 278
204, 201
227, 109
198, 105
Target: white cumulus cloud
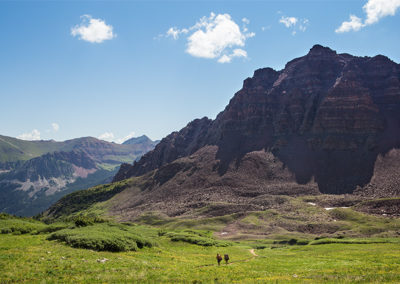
34, 135
93, 30
288, 21
374, 10
354, 24
295, 24
215, 37
55, 126
377, 9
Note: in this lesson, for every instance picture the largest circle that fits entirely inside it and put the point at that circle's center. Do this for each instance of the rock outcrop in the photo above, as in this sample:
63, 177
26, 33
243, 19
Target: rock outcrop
325, 117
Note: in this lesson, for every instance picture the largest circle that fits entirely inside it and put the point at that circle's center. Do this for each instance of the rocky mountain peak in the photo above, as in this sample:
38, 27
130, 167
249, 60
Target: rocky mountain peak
326, 117
138, 140
319, 50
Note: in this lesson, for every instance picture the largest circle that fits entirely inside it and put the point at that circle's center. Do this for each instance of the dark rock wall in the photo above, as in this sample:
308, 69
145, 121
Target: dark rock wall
326, 115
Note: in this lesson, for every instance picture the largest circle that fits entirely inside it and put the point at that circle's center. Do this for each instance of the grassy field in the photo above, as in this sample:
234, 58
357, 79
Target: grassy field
32, 258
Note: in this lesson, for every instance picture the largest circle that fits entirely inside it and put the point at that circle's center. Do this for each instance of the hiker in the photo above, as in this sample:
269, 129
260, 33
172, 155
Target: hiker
219, 258
226, 257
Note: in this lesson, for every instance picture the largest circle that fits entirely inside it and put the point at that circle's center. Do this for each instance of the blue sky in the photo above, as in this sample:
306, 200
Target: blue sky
118, 71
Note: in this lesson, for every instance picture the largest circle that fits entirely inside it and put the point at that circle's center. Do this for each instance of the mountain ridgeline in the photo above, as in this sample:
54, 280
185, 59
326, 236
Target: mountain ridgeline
327, 119
35, 174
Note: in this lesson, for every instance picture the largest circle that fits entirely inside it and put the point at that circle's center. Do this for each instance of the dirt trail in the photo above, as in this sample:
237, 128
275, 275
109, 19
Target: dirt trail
252, 252
254, 255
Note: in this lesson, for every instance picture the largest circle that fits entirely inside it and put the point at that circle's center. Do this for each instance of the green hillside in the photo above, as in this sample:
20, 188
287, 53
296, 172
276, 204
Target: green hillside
93, 250
13, 149
296, 218
35, 174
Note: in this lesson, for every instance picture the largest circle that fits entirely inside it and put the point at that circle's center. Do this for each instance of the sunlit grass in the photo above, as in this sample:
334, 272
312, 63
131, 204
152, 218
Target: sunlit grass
31, 258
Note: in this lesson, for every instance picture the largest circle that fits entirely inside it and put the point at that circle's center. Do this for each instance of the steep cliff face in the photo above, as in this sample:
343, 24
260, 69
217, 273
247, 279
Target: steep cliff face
174, 146
52, 165
325, 116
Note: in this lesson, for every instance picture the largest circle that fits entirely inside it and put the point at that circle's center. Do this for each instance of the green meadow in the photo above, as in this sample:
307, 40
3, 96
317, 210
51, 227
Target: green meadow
70, 253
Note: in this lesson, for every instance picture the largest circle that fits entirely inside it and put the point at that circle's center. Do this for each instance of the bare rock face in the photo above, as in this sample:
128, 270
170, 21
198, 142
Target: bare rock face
172, 147
182, 187
325, 116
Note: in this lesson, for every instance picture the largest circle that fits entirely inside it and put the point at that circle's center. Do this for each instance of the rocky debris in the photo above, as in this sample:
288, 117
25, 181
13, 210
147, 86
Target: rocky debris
192, 185
325, 117
383, 207
102, 260
385, 181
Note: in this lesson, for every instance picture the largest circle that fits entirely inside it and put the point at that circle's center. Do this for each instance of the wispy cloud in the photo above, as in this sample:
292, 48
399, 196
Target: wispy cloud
374, 11
266, 28
106, 136
110, 137
93, 30
127, 137
288, 21
55, 126
174, 32
295, 24
215, 37
235, 53
33, 135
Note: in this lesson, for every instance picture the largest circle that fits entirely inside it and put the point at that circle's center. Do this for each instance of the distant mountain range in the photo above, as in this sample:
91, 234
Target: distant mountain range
35, 174
141, 140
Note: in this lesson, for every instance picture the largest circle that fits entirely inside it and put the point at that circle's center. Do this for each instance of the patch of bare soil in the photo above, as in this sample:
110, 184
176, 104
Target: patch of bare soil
252, 252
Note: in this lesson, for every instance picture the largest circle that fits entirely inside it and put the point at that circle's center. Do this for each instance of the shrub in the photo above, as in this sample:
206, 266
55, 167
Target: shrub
102, 237
347, 241
55, 227
193, 237
84, 220
18, 226
302, 242
292, 242
21, 225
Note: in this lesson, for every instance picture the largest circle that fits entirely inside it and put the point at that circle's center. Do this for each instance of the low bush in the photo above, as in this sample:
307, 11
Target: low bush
102, 237
347, 241
10, 224
55, 227
302, 242
292, 242
83, 220
193, 237
18, 225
